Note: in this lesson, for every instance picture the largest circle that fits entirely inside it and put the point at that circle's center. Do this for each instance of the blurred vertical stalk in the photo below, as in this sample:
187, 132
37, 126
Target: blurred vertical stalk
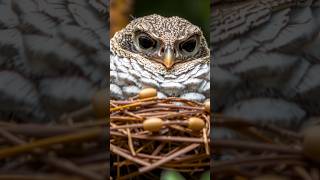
120, 11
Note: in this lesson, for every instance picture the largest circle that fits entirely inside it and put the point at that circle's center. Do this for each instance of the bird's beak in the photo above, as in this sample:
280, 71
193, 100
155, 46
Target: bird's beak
169, 58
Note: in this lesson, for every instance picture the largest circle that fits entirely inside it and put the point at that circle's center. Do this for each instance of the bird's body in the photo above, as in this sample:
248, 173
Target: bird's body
165, 66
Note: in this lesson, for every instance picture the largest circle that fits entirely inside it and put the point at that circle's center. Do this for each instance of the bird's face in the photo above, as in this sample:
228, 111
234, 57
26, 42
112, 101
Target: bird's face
166, 41
165, 48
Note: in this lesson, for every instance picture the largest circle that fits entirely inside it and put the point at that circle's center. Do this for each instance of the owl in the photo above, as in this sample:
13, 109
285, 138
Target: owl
169, 54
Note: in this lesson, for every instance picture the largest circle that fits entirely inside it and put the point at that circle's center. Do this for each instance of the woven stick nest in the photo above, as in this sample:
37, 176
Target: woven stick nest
74, 147
64, 151
152, 133
265, 152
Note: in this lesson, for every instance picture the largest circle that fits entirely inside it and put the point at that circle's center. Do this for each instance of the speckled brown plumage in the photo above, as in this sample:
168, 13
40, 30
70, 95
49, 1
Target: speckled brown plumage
132, 69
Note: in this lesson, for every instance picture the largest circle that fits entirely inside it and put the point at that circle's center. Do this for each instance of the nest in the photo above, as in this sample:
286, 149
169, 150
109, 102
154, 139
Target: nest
265, 151
152, 133
260, 151
69, 150
148, 135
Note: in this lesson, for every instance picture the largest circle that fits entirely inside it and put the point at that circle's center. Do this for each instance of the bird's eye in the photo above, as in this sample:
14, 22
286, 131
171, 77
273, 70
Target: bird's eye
146, 42
189, 45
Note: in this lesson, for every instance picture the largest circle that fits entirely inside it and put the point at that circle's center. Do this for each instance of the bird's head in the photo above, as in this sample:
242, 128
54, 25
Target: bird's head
164, 40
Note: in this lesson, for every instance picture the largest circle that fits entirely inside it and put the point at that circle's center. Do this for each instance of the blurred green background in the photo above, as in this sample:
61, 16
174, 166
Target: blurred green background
195, 11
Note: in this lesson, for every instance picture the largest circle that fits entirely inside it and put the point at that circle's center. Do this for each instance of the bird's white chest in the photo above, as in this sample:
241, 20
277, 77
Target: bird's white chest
129, 76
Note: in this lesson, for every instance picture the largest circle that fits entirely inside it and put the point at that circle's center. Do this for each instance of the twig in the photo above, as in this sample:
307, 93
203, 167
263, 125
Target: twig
43, 143
167, 159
